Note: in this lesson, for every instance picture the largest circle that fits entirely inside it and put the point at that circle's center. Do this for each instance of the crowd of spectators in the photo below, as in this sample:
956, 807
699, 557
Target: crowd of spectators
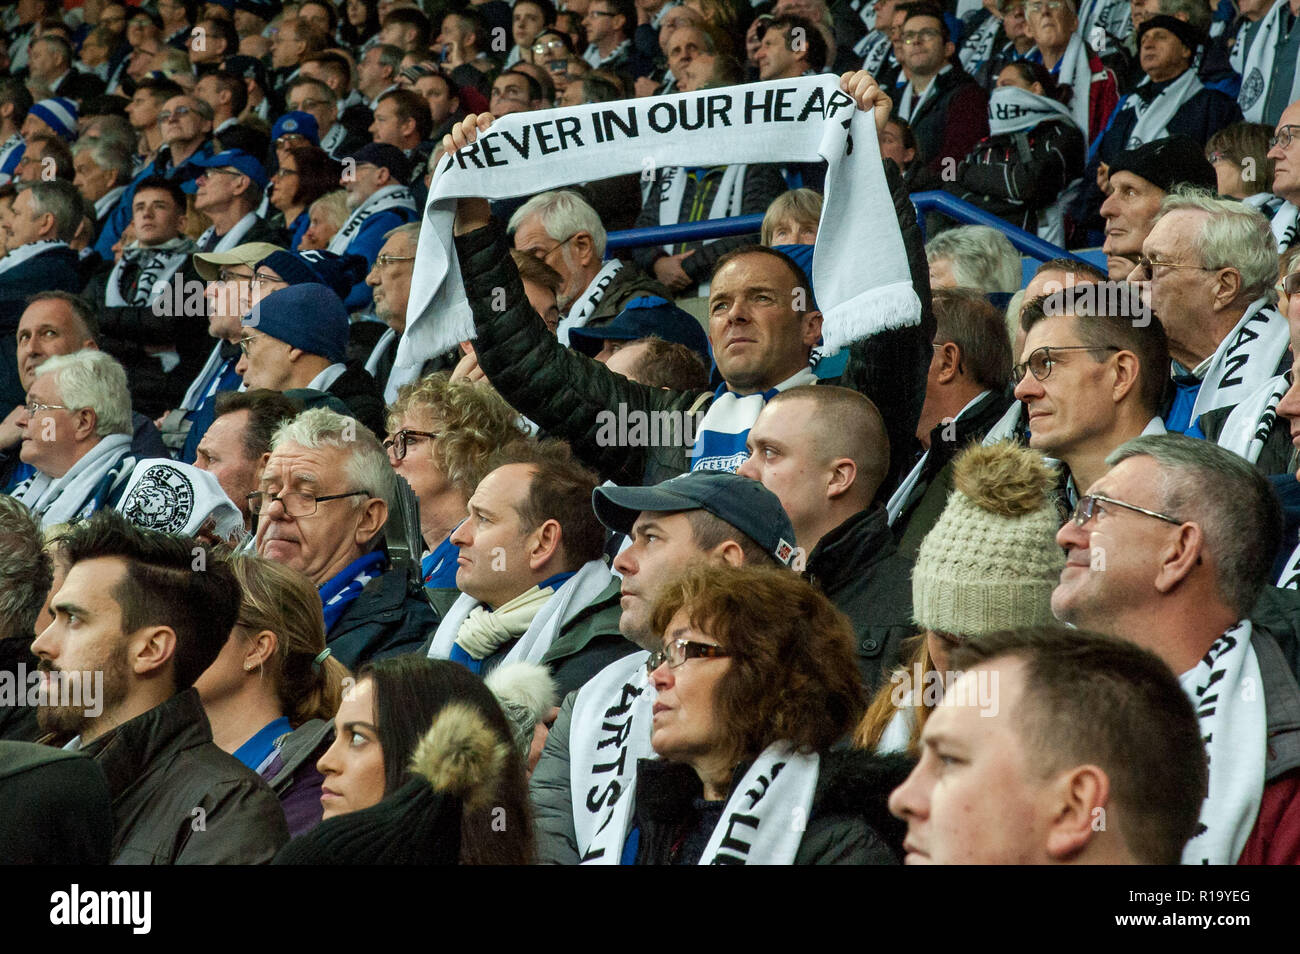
643, 571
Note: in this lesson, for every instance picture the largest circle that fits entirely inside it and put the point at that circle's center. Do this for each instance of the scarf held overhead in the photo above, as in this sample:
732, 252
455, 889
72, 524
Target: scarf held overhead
863, 287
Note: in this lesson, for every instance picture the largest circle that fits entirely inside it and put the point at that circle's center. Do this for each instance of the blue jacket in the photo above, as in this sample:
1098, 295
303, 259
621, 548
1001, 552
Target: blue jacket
367, 243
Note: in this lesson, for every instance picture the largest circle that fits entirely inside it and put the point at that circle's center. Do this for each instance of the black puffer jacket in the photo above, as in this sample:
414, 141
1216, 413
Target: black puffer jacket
564, 392
1017, 175
849, 823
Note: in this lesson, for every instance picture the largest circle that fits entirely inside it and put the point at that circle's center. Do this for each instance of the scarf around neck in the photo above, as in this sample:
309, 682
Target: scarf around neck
1285, 225
1153, 116
1075, 71
1234, 725
1249, 423
720, 438
588, 301
153, 266
337, 593
1258, 68
978, 46
1013, 110
385, 199
728, 200
1244, 360
25, 253
232, 238
55, 500
548, 611
863, 287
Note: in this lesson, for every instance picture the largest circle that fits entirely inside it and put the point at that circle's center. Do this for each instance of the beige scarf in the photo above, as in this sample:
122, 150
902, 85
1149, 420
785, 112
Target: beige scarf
485, 631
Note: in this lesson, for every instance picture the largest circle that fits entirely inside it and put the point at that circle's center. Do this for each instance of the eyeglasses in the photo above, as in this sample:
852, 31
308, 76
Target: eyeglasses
207, 173
296, 503
679, 650
1038, 6
1291, 284
228, 276
178, 112
1042, 360
290, 138
1217, 156
265, 278
283, 173
1283, 137
398, 443
1146, 267
393, 259
1087, 509
244, 340
541, 49
543, 256
35, 407
913, 37
307, 104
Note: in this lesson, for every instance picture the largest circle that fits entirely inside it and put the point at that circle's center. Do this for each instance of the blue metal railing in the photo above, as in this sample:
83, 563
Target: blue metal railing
1025, 242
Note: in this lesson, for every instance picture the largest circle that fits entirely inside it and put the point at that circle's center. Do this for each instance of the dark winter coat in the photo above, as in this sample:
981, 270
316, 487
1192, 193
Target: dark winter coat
858, 566
387, 619
849, 823
178, 799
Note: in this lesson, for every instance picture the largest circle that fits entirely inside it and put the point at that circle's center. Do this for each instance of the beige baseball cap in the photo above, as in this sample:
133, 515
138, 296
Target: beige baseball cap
208, 264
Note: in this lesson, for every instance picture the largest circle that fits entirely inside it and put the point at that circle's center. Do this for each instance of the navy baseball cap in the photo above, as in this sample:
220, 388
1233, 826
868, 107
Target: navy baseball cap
297, 123
234, 159
248, 67
385, 157
641, 318
745, 504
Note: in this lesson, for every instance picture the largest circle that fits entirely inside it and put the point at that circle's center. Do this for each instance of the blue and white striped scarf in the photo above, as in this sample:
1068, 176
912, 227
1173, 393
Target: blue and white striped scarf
338, 593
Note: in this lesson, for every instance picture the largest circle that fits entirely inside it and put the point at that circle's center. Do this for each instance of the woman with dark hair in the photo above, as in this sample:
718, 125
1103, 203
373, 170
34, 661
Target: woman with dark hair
360, 22
306, 173
1033, 156
755, 684
272, 691
394, 759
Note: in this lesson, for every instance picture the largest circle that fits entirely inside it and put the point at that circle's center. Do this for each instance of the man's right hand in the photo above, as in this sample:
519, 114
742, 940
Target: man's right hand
472, 212
11, 435
670, 273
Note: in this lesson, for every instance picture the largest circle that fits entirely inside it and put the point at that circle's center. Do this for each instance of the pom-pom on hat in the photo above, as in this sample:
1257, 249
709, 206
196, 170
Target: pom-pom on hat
991, 561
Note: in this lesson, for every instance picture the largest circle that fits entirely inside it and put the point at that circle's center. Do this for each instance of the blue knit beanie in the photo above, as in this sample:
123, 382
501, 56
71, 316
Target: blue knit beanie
309, 316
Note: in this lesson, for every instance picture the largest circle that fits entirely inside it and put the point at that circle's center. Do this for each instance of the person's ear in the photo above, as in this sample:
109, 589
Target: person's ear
728, 552
374, 514
812, 328
260, 649
1081, 796
1227, 287
1036, 87
1127, 368
383, 176
584, 249
842, 475
949, 49
296, 354
150, 649
948, 355
544, 543
87, 422
1180, 557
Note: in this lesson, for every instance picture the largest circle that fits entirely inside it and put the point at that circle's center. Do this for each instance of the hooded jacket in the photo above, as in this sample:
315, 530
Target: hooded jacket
177, 798
849, 823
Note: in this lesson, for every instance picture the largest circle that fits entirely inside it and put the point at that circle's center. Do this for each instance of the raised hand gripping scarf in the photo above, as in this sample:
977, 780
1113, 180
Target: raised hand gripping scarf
860, 267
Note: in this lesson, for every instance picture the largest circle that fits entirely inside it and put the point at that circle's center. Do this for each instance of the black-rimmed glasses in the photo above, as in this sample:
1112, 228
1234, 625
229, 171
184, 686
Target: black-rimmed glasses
296, 503
1041, 360
398, 443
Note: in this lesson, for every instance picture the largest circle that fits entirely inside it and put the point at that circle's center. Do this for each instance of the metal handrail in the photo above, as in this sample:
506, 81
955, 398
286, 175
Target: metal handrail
1025, 242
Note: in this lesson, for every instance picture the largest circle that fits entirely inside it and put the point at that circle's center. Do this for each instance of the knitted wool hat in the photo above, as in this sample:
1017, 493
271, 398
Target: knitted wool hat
60, 114
991, 561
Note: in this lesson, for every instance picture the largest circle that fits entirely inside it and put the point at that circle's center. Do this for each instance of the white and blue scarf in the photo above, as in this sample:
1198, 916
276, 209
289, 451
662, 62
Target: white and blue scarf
337, 593
393, 197
84, 488
1153, 117
720, 440
1257, 70
1245, 359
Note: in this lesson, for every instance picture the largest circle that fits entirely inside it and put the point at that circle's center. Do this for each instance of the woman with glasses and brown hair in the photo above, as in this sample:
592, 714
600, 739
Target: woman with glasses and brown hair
442, 437
306, 173
755, 685
273, 690
989, 563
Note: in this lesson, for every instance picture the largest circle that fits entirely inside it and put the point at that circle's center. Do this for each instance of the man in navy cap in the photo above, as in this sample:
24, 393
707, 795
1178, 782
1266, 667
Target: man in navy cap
379, 201
645, 317
229, 192
700, 517
297, 338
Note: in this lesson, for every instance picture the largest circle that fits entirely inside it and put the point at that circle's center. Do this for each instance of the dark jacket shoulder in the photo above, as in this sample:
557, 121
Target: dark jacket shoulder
386, 619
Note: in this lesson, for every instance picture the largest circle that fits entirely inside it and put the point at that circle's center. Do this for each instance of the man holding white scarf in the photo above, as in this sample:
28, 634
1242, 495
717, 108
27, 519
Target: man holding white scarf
695, 518
534, 586
1170, 550
761, 342
1211, 283
77, 435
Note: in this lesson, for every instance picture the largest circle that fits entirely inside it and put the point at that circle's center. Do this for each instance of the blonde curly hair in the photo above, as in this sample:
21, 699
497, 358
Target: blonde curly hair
473, 424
